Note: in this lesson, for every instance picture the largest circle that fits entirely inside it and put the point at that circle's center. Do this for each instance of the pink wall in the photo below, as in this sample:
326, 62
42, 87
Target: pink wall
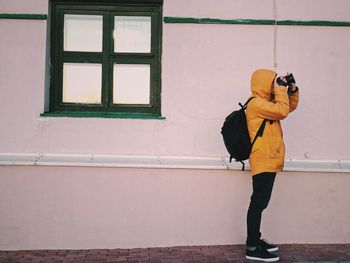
205, 73
24, 6
260, 9
58, 207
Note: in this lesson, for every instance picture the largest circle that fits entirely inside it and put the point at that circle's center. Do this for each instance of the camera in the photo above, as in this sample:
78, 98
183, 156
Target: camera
288, 82
290, 79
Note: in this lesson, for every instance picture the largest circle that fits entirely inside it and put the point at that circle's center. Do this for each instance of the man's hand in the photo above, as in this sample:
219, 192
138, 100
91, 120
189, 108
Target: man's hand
293, 87
286, 80
281, 81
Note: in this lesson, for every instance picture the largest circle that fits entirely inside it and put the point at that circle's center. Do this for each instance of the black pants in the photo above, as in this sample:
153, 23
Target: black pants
262, 189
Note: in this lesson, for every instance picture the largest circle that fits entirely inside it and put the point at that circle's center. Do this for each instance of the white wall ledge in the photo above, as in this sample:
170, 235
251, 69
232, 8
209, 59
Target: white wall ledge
162, 162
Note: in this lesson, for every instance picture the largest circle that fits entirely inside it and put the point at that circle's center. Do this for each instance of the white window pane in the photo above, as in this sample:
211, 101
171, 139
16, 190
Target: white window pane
82, 83
83, 33
131, 84
132, 34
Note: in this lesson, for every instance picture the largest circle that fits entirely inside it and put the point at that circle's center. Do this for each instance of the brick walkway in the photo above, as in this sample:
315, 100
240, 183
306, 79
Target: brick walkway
208, 254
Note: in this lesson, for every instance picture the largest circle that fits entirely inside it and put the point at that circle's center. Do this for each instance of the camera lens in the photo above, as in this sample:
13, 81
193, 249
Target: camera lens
290, 79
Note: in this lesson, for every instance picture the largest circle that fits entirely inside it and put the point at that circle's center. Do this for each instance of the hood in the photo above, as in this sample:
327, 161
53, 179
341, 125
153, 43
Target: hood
261, 82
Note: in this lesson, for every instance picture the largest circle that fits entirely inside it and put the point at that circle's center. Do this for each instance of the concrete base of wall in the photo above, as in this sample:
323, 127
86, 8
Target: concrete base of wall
92, 207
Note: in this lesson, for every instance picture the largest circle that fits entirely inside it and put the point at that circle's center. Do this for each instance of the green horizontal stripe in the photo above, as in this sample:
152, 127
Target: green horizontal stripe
191, 20
24, 16
313, 23
114, 115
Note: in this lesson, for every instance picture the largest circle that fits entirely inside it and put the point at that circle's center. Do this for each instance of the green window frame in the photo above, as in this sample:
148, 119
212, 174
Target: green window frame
106, 62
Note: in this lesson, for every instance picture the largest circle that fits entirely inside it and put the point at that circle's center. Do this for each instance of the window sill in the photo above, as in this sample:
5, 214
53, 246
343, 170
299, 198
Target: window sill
113, 115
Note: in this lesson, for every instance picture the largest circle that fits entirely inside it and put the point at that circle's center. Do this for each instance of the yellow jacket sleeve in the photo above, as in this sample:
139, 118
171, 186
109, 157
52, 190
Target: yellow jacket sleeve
293, 101
277, 110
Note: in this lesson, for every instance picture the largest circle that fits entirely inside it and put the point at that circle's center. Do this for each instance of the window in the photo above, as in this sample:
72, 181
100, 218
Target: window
105, 56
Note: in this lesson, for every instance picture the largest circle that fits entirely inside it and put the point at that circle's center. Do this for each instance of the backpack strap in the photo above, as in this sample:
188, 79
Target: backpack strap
245, 104
260, 131
262, 126
258, 134
243, 165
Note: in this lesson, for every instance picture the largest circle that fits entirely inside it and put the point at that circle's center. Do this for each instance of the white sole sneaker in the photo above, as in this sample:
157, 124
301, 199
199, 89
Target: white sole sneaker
273, 249
263, 259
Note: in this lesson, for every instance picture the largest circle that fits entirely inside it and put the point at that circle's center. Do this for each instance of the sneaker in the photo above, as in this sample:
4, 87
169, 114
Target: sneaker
269, 247
261, 254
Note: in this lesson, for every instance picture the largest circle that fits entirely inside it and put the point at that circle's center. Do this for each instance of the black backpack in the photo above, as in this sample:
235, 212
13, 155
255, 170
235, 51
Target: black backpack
236, 136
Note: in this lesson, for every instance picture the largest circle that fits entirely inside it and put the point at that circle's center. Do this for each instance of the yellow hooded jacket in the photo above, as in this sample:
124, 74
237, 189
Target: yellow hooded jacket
268, 151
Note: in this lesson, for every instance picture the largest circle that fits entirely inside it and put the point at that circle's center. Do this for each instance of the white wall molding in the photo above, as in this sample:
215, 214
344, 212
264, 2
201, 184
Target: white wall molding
162, 162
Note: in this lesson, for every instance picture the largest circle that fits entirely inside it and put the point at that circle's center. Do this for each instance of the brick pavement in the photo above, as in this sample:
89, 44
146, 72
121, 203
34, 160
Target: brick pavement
194, 254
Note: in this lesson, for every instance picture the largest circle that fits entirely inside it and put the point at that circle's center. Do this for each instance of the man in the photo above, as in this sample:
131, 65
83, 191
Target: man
275, 97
